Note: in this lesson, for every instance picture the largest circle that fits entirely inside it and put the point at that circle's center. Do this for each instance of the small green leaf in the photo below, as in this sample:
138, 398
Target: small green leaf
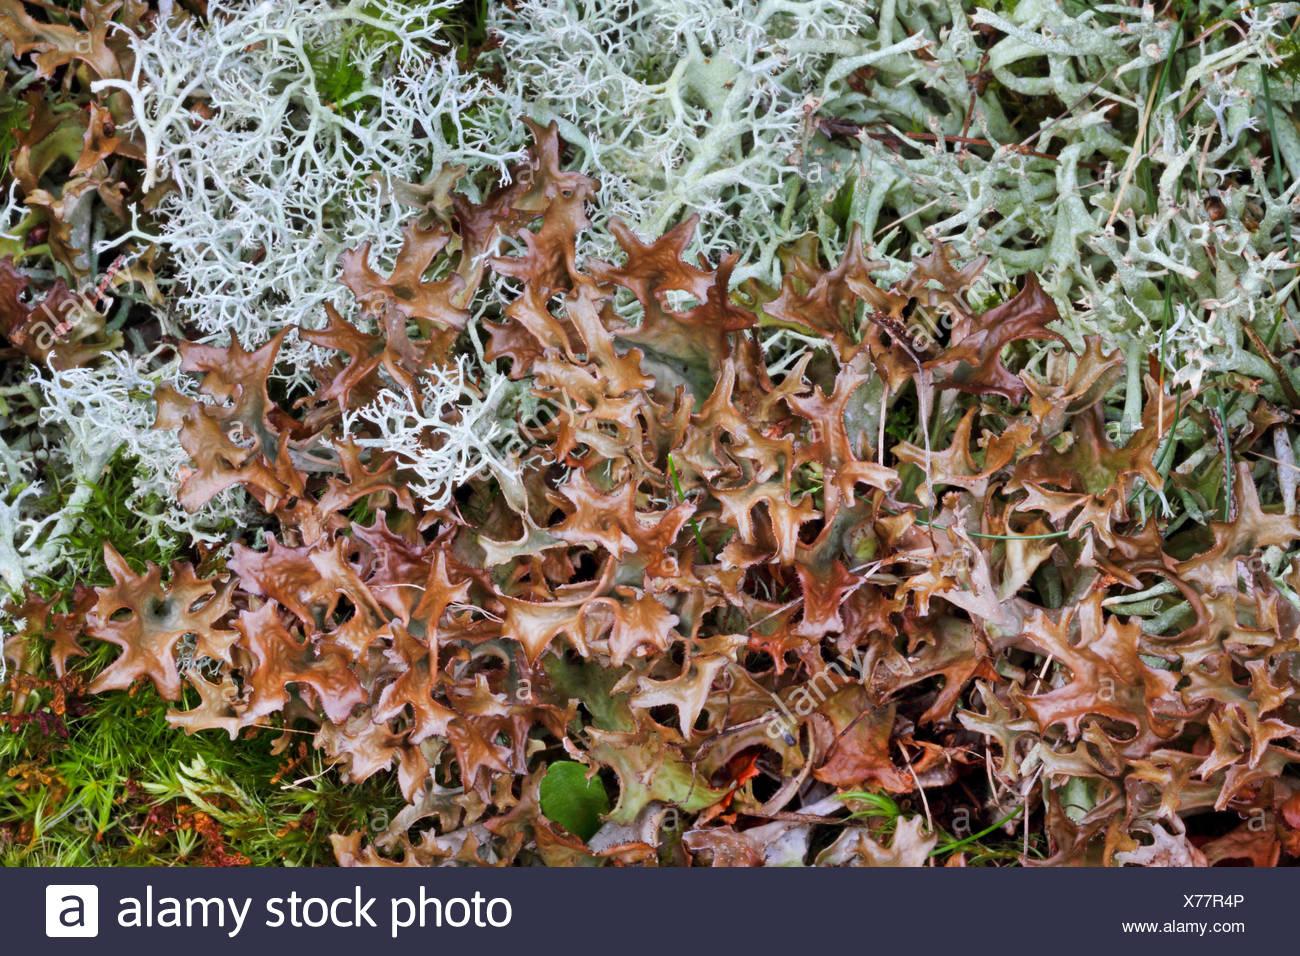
573, 801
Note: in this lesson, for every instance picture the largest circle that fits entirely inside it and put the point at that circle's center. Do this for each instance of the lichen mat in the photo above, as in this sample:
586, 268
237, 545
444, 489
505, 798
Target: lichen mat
870, 447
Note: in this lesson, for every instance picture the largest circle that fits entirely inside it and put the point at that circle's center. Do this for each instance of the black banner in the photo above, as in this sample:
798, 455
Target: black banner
647, 911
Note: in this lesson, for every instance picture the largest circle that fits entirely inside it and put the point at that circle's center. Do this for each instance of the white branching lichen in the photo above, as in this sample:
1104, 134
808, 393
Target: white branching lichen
691, 106
108, 410
284, 128
446, 434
